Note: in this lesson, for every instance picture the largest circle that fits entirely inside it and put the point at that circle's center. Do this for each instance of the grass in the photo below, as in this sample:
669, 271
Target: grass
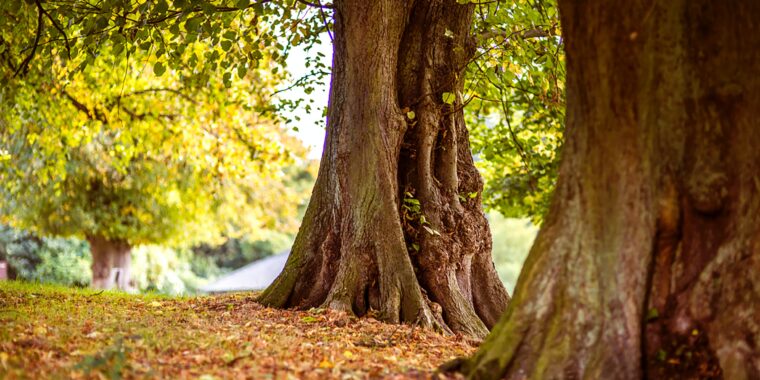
57, 332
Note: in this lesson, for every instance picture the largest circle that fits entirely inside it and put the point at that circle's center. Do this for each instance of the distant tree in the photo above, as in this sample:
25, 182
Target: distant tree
515, 95
131, 161
237, 252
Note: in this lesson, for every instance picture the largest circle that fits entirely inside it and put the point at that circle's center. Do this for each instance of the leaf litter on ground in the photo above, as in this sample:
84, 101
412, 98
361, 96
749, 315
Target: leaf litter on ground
55, 332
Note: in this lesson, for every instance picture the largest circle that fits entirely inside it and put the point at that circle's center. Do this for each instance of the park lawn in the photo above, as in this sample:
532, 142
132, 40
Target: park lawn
56, 332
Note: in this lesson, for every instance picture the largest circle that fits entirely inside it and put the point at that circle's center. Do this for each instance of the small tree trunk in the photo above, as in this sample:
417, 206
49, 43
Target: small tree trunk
110, 263
395, 222
648, 263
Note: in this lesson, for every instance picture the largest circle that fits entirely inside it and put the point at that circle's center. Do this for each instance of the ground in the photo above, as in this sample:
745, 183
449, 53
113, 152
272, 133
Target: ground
55, 332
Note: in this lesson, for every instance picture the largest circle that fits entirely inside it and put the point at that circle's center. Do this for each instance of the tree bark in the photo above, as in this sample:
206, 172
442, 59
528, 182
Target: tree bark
648, 264
110, 263
395, 223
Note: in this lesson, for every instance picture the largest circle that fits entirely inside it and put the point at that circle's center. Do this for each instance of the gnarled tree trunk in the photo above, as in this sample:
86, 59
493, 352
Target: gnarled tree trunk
110, 263
395, 222
649, 262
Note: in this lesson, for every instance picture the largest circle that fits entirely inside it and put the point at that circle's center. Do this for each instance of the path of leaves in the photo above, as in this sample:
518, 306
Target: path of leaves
60, 333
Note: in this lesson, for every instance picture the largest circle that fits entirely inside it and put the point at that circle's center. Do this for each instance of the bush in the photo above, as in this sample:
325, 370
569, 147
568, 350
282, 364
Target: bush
512, 239
165, 270
45, 260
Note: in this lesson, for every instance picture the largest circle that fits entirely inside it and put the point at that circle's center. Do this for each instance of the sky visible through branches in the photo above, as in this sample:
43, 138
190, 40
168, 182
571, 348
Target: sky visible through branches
311, 127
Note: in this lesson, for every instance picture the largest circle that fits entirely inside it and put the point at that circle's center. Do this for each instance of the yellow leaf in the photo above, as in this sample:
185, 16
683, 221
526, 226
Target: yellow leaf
155, 304
40, 330
326, 364
4, 359
348, 354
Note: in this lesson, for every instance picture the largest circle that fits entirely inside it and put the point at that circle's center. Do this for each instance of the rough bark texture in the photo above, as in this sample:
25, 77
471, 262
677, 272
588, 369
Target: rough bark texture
108, 256
649, 262
359, 247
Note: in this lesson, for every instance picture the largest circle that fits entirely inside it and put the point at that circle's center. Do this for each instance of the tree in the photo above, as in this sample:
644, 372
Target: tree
516, 104
647, 264
126, 162
395, 222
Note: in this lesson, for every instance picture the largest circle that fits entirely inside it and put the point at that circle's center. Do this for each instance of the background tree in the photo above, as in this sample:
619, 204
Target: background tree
514, 93
647, 264
125, 162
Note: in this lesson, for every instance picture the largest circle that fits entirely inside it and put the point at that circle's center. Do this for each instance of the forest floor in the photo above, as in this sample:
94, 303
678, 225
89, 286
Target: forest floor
55, 332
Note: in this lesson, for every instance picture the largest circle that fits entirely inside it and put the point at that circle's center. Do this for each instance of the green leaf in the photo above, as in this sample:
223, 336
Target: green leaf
431, 231
241, 71
410, 115
192, 24
241, 4
652, 314
159, 69
412, 201
161, 7
448, 98
226, 45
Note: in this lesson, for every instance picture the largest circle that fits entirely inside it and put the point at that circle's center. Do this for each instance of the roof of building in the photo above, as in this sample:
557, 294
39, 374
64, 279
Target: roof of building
257, 275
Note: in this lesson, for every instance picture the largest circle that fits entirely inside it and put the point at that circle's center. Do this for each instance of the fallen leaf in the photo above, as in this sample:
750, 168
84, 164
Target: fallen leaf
4, 359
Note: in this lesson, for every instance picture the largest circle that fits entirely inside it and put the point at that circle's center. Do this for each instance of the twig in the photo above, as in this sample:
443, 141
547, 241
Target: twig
324, 19
25, 63
96, 294
93, 114
58, 27
173, 91
318, 4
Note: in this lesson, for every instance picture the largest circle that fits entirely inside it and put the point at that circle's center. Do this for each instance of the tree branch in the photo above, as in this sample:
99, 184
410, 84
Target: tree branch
318, 4
537, 32
57, 27
25, 63
92, 114
173, 91
324, 19
176, 13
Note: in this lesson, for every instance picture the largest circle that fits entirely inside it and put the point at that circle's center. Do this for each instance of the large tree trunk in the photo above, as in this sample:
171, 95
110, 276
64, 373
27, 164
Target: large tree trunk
648, 264
110, 263
395, 222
